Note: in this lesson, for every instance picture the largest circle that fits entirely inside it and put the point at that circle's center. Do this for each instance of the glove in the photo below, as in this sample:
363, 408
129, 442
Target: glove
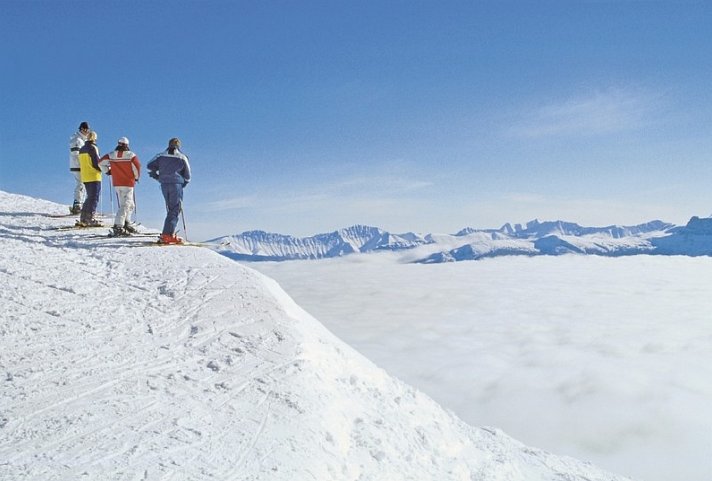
108, 172
153, 175
185, 184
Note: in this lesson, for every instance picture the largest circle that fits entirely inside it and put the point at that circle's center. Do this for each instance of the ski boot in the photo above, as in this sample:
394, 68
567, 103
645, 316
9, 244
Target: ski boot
118, 231
169, 239
129, 228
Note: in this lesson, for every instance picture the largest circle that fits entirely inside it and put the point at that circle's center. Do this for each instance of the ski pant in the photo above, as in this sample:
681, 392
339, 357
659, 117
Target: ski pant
79, 190
92, 201
126, 204
173, 195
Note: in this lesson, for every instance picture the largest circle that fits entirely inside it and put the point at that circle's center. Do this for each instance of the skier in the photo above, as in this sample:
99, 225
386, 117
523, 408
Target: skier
91, 177
124, 168
172, 170
76, 142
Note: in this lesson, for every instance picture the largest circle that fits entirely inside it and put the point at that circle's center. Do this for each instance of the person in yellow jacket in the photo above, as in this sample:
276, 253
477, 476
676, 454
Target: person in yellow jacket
91, 178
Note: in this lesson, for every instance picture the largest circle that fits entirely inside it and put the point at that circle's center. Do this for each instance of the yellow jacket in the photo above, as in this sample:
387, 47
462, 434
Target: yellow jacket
89, 162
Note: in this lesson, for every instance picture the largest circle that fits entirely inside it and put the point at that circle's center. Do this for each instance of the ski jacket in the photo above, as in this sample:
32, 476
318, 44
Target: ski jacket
76, 142
124, 166
89, 162
170, 168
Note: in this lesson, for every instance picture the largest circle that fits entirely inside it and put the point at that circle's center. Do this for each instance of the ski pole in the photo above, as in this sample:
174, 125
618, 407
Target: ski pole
135, 206
182, 216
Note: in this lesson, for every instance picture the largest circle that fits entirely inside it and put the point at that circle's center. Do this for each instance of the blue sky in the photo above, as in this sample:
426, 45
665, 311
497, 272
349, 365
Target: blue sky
304, 117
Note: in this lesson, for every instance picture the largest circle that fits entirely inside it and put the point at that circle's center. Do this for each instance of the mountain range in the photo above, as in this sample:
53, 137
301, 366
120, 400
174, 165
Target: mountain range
532, 239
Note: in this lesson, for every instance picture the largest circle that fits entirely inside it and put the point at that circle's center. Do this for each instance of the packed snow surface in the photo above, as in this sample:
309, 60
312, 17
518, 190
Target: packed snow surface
121, 361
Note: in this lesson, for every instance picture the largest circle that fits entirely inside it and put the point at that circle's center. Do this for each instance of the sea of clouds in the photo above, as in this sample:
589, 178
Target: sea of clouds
604, 359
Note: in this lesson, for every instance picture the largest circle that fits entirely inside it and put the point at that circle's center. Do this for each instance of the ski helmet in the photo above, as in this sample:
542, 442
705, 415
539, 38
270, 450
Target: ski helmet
174, 142
84, 126
124, 140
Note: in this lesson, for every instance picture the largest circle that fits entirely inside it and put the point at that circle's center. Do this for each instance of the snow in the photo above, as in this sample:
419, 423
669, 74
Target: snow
127, 362
604, 359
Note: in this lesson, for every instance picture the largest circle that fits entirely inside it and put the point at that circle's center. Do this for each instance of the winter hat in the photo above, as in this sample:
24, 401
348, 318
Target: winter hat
174, 142
84, 126
92, 136
124, 140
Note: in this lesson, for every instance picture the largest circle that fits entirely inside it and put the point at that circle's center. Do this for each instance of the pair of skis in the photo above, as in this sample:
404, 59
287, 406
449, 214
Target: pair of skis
108, 236
141, 243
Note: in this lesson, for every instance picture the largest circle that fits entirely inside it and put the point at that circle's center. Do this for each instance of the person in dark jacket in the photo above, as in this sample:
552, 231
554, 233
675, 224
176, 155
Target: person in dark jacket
172, 170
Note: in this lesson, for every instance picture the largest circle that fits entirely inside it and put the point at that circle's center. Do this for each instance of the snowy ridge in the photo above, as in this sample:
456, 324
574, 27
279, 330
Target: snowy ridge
260, 245
549, 238
122, 362
534, 238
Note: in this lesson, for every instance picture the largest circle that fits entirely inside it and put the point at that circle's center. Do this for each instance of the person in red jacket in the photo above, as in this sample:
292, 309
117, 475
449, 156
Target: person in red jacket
124, 168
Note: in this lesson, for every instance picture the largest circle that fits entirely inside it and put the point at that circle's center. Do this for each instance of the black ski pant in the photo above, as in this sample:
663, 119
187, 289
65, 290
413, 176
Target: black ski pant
92, 201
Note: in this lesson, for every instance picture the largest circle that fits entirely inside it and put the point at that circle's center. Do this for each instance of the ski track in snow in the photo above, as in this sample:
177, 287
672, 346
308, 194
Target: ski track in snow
78, 369
129, 363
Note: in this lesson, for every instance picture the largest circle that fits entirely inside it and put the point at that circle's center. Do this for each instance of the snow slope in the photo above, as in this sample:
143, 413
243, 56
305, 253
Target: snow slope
123, 362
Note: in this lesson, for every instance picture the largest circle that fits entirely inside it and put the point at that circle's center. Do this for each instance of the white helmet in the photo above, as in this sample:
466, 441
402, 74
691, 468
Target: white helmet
124, 140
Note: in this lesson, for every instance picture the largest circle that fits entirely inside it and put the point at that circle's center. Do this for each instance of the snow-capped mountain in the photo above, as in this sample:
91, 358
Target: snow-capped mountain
260, 245
548, 238
123, 361
534, 238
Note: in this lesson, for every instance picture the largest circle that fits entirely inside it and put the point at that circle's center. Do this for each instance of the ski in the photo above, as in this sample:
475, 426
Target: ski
161, 244
138, 234
109, 236
59, 216
77, 227
62, 216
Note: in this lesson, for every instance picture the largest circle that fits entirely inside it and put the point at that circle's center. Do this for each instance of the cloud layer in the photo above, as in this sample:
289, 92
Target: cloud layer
593, 113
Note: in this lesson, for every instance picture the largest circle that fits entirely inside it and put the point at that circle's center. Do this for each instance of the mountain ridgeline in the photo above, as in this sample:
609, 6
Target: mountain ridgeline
264, 246
534, 238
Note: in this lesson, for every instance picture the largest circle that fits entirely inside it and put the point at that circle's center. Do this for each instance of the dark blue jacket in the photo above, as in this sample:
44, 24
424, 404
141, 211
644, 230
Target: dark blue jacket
170, 168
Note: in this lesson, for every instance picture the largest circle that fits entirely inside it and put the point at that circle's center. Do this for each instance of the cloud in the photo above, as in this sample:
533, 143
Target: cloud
320, 207
231, 203
394, 185
524, 197
374, 192
595, 113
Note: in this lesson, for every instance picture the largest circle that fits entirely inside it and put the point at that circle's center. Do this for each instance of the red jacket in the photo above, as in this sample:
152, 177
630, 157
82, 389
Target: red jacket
124, 166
